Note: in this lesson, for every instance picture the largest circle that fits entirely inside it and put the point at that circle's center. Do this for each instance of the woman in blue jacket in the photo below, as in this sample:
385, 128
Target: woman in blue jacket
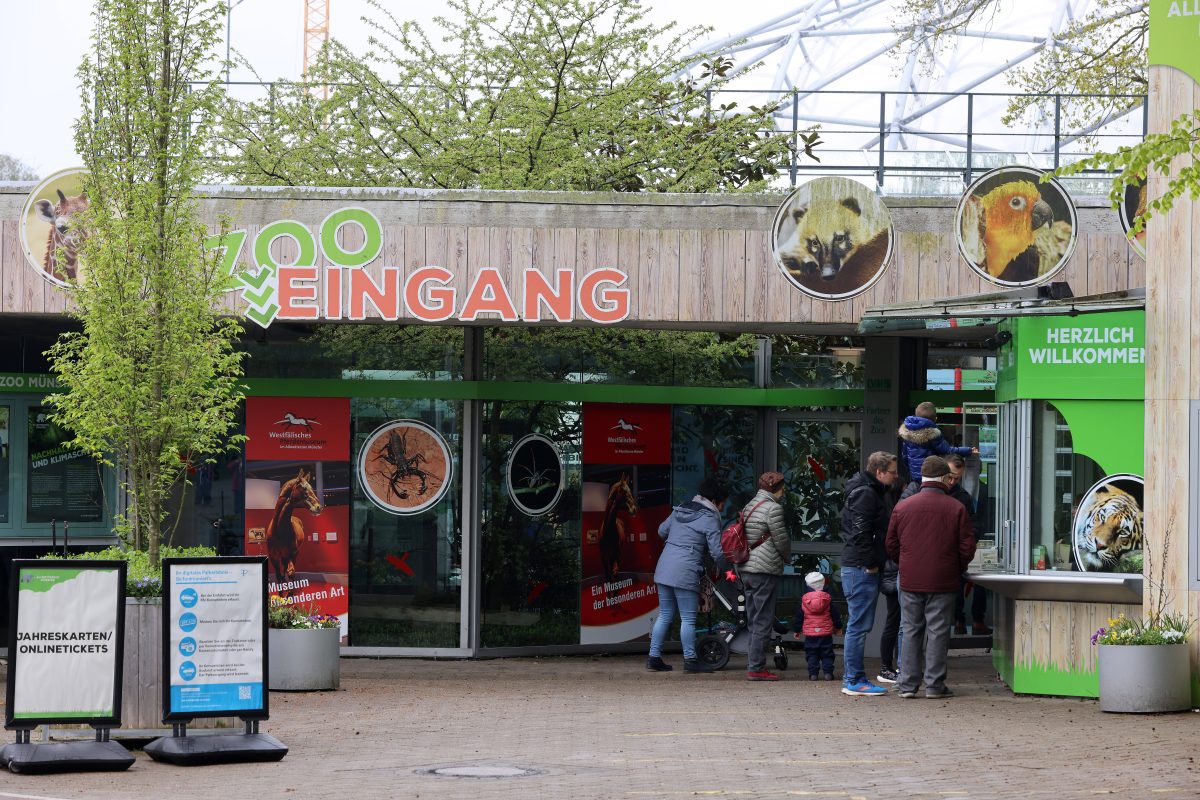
693, 529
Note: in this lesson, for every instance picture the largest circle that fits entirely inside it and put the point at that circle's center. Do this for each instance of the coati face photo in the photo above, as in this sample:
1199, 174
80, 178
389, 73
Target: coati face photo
832, 238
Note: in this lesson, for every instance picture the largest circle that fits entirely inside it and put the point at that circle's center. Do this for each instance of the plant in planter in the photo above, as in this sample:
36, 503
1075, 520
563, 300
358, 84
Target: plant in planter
1144, 663
303, 654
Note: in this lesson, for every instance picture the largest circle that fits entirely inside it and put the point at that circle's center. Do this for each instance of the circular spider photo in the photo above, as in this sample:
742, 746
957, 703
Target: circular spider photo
1107, 530
832, 238
50, 235
404, 466
1014, 230
1132, 208
535, 476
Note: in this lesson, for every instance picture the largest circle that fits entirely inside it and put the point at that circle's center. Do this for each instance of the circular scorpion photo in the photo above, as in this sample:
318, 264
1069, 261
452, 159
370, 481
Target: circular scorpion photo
404, 466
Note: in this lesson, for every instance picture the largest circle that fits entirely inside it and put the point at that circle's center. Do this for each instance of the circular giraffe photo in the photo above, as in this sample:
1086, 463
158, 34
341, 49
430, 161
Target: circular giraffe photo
1015, 230
535, 476
404, 466
832, 238
50, 233
1107, 530
1132, 208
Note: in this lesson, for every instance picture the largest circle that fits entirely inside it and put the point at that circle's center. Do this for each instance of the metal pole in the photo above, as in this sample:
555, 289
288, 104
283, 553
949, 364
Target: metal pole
228, 31
1057, 126
970, 171
795, 136
882, 137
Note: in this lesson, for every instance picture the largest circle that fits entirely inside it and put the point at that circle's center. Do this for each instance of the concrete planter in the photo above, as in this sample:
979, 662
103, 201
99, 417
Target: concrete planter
304, 660
1144, 679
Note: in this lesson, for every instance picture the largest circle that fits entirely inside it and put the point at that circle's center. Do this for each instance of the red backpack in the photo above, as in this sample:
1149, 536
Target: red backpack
733, 538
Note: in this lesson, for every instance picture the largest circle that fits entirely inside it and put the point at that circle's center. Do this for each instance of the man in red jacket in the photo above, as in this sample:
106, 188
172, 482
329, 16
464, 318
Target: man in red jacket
929, 536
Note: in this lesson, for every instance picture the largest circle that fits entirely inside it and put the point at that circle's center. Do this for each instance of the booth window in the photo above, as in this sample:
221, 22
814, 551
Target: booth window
1060, 479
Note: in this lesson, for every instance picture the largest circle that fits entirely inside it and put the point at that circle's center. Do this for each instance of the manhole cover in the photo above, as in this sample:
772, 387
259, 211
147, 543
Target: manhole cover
482, 772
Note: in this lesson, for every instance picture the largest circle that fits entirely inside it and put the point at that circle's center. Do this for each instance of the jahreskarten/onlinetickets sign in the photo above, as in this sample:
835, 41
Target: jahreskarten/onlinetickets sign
214, 638
66, 631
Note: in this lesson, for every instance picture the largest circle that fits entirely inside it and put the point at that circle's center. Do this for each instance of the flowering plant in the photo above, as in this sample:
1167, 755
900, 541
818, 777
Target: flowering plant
289, 617
1168, 628
1160, 625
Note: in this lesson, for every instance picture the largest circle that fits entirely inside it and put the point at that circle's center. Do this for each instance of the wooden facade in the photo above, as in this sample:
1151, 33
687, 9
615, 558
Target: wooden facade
694, 261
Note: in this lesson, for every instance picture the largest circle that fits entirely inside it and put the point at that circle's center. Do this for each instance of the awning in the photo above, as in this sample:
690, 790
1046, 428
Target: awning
1055, 299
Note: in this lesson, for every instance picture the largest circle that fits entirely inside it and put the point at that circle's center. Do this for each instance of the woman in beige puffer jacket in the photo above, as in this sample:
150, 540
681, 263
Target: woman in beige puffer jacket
760, 574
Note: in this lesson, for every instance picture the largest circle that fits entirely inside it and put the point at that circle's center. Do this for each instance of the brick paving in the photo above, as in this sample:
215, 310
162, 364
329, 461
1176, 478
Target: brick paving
603, 727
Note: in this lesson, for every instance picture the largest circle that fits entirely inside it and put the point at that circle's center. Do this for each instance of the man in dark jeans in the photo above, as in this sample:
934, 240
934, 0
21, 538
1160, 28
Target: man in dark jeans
929, 537
864, 526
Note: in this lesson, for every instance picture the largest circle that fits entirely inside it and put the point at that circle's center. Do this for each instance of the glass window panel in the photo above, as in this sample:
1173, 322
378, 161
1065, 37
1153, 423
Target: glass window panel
830, 368
817, 457
63, 483
713, 440
405, 569
530, 561
5, 440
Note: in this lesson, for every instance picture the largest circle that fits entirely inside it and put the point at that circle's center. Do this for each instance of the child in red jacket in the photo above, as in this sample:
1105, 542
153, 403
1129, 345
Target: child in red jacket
817, 620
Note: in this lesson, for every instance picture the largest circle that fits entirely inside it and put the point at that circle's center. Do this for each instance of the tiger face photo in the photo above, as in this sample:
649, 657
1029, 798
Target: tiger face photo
1108, 526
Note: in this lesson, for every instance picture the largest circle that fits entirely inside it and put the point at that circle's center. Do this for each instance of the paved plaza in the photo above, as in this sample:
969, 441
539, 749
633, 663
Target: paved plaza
604, 727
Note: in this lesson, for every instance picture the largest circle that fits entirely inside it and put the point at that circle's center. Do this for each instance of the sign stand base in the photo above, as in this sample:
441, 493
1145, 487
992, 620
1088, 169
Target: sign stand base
234, 748
100, 755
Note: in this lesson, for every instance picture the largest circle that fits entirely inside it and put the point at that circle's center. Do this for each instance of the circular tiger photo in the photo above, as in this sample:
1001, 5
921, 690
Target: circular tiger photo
1132, 208
404, 466
535, 476
1107, 529
50, 233
832, 238
1015, 230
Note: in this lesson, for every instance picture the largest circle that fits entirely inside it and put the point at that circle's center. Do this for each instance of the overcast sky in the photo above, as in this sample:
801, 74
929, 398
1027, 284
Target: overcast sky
45, 40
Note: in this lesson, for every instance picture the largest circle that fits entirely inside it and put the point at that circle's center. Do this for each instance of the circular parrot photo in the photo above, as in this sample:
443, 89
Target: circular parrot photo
1132, 208
1015, 230
832, 238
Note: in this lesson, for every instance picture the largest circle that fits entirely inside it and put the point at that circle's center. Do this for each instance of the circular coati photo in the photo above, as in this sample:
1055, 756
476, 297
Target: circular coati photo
1015, 230
404, 466
1132, 208
832, 238
50, 233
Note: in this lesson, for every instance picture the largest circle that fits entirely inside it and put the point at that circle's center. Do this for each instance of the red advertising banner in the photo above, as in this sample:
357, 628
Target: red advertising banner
621, 433
298, 506
626, 495
315, 428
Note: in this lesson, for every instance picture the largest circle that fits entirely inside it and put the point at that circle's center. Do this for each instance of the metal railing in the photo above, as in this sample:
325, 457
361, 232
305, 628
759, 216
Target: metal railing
914, 143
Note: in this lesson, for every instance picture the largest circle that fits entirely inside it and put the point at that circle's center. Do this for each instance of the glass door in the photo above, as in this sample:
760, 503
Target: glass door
1013, 458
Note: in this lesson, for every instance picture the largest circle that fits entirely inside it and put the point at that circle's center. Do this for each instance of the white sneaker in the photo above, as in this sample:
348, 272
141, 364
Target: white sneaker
887, 676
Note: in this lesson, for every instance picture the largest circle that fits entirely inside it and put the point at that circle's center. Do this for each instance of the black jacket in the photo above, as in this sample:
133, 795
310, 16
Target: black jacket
864, 522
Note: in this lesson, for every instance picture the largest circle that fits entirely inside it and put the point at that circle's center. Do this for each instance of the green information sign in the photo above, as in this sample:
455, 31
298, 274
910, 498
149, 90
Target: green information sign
1086, 357
1175, 35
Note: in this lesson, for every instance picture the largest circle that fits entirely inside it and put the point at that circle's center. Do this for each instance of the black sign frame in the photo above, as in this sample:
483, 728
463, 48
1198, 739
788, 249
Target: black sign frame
14, 660
176, 717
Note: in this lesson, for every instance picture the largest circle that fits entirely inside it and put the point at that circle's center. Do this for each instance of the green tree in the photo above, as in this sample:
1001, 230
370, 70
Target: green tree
152, 378
14, 169
509, 94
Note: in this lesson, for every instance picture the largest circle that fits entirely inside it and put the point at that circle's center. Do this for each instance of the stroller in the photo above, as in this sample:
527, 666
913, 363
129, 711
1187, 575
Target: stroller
724, 638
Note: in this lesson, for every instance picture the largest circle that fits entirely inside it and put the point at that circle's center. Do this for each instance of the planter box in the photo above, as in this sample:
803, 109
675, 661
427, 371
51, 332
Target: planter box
304, 660
1144, 679
141, 686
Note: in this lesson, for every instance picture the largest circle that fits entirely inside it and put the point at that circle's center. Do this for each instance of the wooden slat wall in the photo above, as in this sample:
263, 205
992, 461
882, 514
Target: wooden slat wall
1058, 635
679, 275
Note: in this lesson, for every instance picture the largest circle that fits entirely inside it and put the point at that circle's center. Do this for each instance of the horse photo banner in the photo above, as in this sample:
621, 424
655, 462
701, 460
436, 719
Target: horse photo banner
626, 494
214, 638
65, 642
298, 500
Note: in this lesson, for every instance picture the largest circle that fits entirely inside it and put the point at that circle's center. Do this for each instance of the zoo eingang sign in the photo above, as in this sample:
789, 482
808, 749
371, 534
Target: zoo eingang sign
344, 290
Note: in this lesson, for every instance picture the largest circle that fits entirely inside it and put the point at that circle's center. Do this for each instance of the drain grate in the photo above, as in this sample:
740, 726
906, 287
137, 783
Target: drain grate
478, 771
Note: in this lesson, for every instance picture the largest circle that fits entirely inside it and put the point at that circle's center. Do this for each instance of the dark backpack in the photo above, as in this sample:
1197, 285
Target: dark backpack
734, 546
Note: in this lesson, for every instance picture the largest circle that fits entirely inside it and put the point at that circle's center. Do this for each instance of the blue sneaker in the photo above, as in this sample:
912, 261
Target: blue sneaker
863, 688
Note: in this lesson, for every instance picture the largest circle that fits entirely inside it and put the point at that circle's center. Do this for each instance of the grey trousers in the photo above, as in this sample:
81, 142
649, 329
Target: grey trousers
926, 618
760, 615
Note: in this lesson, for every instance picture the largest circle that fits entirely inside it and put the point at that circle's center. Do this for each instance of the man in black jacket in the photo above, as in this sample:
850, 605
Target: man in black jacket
864, 528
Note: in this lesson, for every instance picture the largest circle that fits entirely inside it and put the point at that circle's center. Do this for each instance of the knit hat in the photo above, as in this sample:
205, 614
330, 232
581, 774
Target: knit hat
815, 580
770, 481
934, 467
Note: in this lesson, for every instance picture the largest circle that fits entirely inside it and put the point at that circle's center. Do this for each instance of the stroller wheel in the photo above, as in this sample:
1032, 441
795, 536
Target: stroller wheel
781, 660
712, 651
